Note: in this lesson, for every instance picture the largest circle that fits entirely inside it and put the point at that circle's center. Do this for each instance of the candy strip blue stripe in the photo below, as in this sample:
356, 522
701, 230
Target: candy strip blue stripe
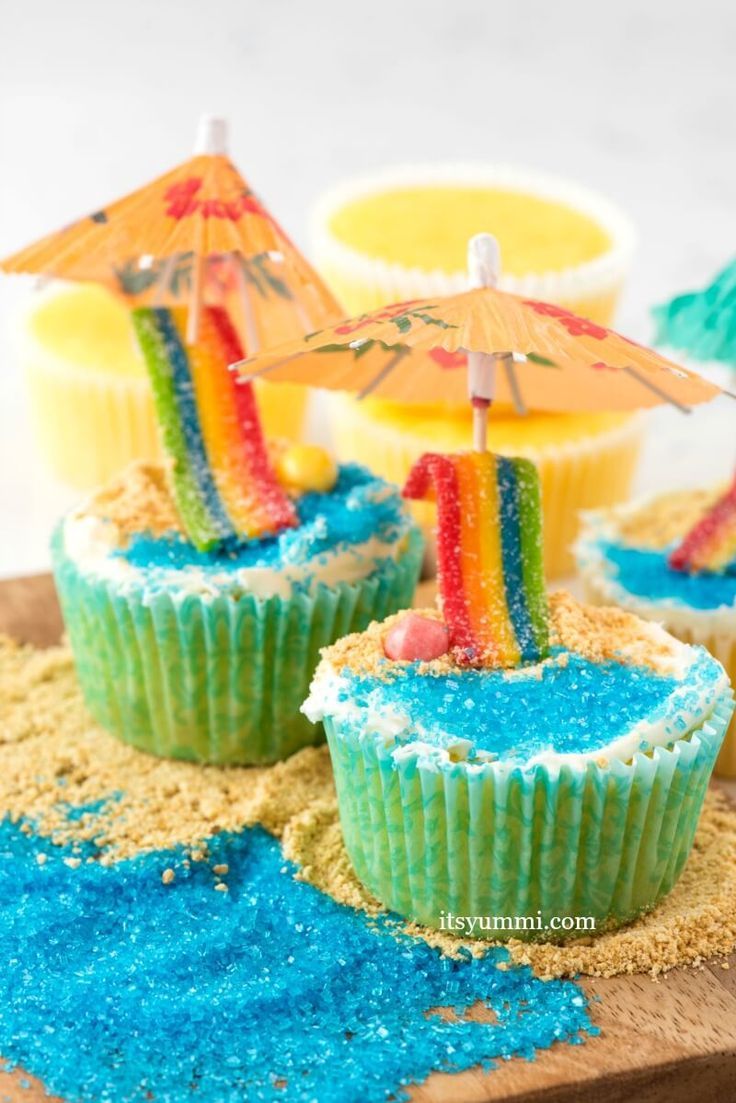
187, 406
508, 493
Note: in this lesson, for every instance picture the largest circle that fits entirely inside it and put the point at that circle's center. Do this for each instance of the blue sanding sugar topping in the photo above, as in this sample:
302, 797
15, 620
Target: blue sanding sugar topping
646, 574
360, 506
572, 706
116, 987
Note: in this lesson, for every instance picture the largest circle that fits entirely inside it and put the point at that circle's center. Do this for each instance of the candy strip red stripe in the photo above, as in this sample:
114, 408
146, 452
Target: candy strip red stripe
440, 470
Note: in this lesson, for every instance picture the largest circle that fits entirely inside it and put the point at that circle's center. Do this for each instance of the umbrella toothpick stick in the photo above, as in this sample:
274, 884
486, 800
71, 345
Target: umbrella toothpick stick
483, 269
516, 396
212, 141
482, 388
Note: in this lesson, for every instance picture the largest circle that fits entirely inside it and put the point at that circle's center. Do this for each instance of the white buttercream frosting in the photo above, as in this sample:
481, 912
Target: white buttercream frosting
407, 728
603, 584
361, 527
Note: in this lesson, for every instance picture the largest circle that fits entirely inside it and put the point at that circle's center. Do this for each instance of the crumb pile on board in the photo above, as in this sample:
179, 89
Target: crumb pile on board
54, 759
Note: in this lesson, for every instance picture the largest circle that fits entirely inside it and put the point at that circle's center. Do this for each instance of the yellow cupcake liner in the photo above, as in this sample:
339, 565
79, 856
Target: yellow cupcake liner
90, 425
361, 282
719, 641
583, 474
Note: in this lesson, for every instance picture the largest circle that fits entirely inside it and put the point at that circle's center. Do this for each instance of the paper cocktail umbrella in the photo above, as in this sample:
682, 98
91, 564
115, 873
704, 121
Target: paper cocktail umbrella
489, 544
188, 252
549, 358
196, 234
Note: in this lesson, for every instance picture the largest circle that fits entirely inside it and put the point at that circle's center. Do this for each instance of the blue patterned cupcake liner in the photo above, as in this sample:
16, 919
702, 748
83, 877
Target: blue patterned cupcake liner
429, 837
214, 679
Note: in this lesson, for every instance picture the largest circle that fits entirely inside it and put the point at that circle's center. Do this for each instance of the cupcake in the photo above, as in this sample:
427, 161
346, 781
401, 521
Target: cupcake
585, 460
539, 801
207, 655
90, 391
402, 234
623, 558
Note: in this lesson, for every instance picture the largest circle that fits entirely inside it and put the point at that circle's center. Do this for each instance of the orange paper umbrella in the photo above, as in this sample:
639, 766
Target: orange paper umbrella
418, 352
196, 234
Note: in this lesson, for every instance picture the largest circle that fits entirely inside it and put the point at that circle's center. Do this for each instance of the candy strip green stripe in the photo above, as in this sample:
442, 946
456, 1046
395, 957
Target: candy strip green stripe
200, 525
532, 550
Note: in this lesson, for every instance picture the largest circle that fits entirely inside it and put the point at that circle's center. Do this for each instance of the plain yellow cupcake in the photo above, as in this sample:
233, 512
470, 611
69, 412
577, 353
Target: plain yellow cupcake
89, 388
585, 461
403, 234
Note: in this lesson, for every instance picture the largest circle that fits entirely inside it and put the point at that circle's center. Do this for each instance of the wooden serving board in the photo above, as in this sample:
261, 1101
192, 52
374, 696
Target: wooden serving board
671, 1041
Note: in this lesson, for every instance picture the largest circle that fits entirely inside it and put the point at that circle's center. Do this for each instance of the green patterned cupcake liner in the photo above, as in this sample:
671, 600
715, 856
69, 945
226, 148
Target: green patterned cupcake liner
432, 838
214, 678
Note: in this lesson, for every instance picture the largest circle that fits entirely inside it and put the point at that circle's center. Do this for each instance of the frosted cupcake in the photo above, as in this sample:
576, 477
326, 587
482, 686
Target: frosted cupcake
90, 392
623, 557
207, 655
554, 792
402, 234
585, 461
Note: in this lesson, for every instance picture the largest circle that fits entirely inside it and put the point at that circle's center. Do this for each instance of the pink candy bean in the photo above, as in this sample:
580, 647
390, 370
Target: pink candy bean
417, 639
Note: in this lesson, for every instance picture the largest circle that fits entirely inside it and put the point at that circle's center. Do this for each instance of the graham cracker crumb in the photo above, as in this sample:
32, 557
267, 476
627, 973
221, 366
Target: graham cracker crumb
606, 633
313, 840
597, 633
221, 869
168, 876
138, 500
363, 652
695, 923
53, 756
665, 519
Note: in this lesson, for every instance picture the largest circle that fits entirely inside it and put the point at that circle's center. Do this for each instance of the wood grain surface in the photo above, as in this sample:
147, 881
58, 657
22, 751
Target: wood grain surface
670, 1040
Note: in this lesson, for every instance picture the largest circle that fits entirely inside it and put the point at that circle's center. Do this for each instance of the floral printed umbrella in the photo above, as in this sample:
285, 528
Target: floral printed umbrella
417, 352
196, 234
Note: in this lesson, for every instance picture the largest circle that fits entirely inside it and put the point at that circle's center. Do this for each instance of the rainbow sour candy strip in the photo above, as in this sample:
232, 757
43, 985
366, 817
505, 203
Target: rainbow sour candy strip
222, 479
710, 545
489, 554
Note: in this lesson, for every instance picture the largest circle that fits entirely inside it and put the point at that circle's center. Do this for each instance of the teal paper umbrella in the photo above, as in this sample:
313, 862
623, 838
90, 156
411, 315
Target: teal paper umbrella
702, 324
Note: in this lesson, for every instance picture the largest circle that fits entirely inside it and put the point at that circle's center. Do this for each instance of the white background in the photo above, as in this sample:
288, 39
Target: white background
636, 99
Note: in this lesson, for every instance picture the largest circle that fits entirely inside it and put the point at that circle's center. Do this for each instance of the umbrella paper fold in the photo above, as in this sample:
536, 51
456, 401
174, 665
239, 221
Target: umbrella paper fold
418, 352
196, 234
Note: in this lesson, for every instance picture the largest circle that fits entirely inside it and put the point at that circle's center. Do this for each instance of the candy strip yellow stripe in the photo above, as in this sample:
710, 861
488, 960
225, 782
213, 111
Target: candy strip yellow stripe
469, 551
490, 520
718, 552
482, 561
221, 431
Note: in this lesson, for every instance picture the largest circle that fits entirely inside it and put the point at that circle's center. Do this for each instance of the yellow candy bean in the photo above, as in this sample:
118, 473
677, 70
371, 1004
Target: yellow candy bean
306, 467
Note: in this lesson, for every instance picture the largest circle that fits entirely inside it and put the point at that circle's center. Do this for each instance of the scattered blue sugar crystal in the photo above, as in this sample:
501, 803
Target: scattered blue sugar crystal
575, 706
75, 812
271, 991
358, 508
